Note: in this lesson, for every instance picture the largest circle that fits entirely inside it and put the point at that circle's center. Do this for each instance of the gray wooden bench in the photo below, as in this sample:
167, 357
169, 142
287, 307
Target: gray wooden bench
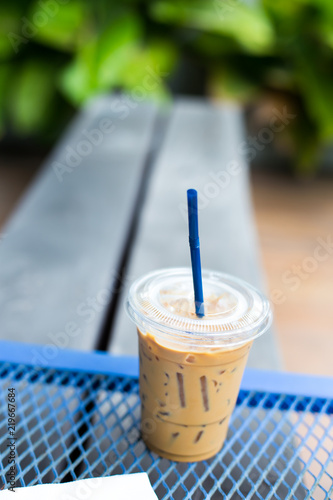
109, 205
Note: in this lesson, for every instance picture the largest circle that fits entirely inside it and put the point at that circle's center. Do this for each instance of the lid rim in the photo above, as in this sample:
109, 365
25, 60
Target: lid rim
209, 329
265, 321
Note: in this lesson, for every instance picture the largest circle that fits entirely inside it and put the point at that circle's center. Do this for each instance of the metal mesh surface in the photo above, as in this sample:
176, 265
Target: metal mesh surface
76, 425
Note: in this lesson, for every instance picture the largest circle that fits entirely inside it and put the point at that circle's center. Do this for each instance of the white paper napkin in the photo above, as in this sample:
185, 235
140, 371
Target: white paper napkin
124, 487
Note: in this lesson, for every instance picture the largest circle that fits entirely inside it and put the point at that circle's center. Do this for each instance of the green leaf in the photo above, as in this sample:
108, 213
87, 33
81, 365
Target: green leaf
306, 145
283, 8
325, 26
116, 48
4, 84
30, 97
10, 30
249, 26
226, 83
77, 80
150, 69
99, 65
315, 84
62, 26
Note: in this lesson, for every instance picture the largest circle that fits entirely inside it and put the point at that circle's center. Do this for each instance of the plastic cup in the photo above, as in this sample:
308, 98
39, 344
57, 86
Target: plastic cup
190, 367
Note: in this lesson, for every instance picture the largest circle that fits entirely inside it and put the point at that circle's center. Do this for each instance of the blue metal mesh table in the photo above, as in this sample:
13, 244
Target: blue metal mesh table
77, 416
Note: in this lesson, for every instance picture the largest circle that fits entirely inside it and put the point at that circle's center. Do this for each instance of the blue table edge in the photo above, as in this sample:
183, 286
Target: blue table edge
103, 363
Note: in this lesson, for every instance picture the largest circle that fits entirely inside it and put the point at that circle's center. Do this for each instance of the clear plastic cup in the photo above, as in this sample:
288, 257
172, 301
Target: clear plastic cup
190, 367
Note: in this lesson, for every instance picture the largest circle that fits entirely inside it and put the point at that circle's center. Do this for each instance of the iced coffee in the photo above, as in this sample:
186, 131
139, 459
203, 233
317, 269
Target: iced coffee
191, 368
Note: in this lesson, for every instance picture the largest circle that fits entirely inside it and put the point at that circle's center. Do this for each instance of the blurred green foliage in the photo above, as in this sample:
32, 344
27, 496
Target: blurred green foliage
55, 54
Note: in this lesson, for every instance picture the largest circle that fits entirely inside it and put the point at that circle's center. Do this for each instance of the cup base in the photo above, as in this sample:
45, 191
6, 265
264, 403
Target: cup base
183, 458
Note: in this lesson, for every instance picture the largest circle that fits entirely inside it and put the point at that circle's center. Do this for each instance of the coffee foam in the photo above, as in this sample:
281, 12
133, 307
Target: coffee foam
215, 305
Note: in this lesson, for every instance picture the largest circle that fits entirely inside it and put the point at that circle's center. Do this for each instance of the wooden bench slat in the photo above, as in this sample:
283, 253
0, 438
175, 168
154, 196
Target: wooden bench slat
201, 142
64, 244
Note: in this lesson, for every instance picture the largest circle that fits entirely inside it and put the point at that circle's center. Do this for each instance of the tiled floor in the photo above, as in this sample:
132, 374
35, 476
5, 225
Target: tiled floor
290, 219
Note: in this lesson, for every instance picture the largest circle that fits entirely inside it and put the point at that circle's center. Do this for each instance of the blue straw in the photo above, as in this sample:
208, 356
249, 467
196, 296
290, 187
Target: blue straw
192, 204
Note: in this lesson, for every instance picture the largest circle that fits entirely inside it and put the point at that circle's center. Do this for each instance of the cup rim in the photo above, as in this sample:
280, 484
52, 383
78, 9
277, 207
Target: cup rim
193, 331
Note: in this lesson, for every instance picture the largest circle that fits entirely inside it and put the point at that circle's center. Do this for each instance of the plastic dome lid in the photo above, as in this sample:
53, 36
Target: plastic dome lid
163, 302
